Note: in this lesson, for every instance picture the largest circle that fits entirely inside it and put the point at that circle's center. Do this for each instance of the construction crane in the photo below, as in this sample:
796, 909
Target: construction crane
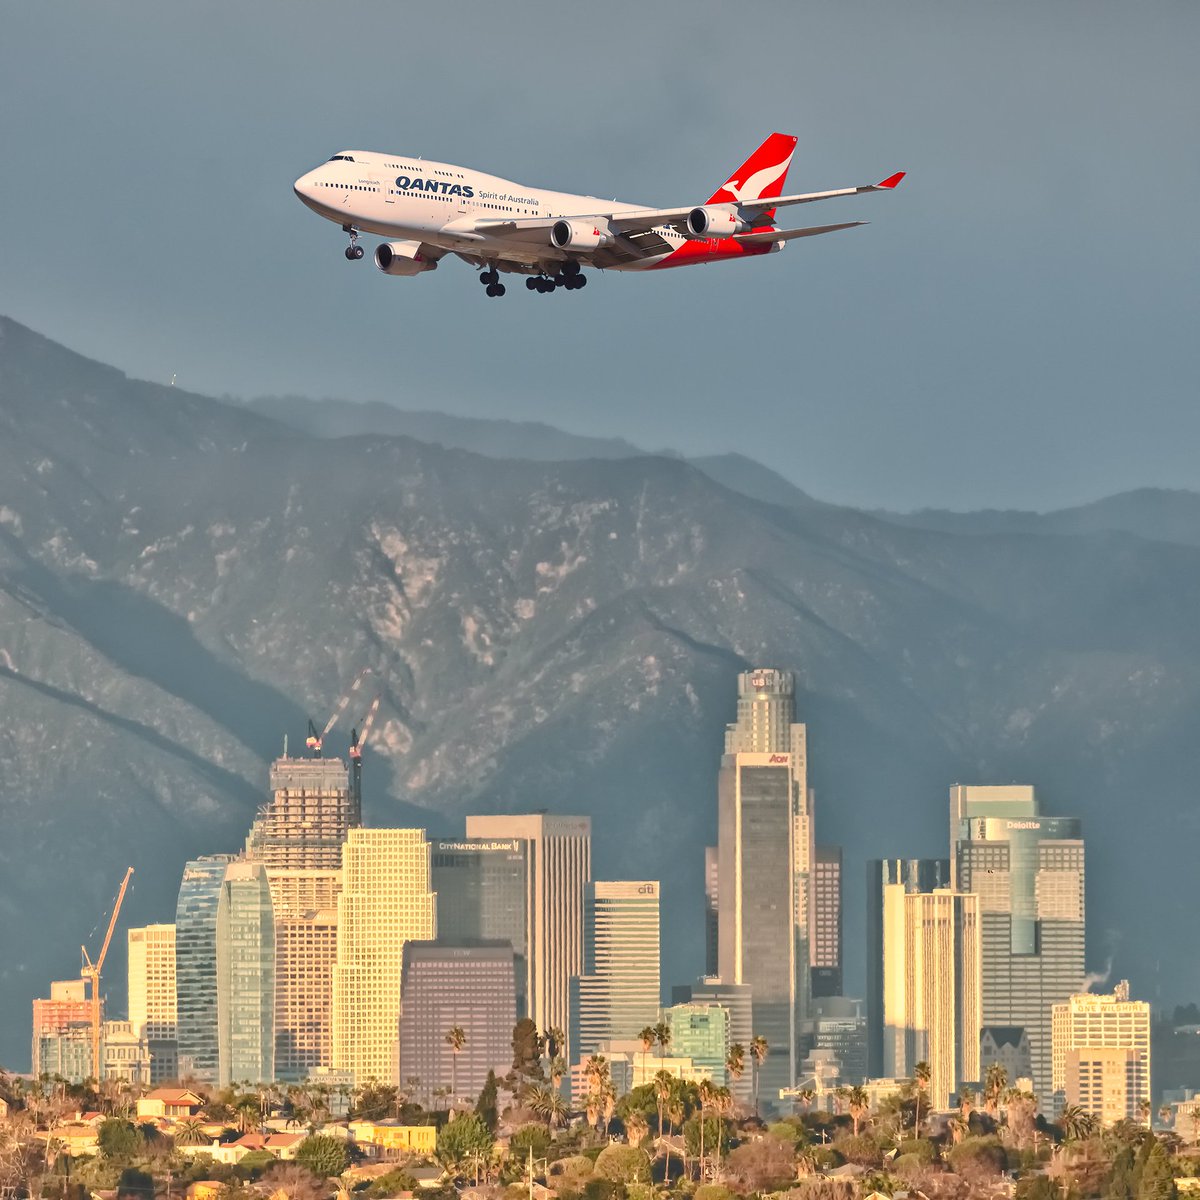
315, 740
357, 742
91, 971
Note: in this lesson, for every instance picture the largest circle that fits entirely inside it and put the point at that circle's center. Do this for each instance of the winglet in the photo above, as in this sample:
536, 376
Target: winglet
892, 180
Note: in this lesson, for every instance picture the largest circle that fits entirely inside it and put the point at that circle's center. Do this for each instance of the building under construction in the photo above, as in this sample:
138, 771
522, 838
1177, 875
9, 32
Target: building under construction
304, 826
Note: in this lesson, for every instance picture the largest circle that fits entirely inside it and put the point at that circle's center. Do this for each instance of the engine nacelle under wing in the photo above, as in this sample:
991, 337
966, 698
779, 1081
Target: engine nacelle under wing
580, 235
716, 221
403, 258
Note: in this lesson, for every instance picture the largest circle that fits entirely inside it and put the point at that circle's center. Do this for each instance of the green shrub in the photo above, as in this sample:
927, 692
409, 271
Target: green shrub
920, 1148
712, 1191
575, 1166
623, 1164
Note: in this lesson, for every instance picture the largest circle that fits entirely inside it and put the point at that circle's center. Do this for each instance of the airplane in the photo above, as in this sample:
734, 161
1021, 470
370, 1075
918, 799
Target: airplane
430, 209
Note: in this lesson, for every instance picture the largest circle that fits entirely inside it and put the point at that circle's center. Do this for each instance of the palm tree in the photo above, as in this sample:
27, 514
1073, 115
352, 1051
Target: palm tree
664, 1084
1164, 1115
1144, 1111
921, 1077
994, 1083
190, 1132
759, 1049
1076, 1125
662, 1035
647, 1038
249, 1112
705, 1090
722, 1105
807, 1097
860, 1105
555, 1041
636, 1128
735, 1062
966, 1103
456, 1039
1194, 1113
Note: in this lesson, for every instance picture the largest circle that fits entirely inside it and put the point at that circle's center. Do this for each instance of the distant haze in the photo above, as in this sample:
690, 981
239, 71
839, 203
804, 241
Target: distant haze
1014, 329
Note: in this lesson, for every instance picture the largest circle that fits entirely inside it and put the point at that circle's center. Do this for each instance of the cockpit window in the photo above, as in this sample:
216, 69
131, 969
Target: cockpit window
342, 158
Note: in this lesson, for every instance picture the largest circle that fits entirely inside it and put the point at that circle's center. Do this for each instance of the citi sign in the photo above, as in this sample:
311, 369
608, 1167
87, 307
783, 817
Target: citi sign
409, 183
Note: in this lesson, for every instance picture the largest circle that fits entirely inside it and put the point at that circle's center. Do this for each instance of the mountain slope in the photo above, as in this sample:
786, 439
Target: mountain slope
183, 581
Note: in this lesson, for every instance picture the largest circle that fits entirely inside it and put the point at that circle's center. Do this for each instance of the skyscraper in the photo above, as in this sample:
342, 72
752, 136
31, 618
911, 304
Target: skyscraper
712, 877
619, 992
60, 1022
386, 901
298, 835
825, 947
931, 987
735, 999
482, 887
468, 985
196, 966
911, 875
1101, 1055
701, 1032
765, 864
1028, 871
559, 857
306, 821
245, 938
153, 1013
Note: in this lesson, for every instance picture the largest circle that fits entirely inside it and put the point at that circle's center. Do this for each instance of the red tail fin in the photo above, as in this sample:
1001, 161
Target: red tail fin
761, 175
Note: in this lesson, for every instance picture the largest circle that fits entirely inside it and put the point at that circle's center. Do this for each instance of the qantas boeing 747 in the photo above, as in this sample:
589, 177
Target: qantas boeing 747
433, 209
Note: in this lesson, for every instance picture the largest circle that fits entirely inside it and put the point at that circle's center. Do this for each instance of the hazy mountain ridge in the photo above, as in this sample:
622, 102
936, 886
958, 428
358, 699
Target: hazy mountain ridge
182, 581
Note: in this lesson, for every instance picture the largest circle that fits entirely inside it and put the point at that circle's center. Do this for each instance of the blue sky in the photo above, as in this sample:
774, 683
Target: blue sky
1016, 327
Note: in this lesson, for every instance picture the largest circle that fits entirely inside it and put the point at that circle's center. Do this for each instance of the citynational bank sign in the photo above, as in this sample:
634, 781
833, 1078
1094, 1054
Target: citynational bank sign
480, 846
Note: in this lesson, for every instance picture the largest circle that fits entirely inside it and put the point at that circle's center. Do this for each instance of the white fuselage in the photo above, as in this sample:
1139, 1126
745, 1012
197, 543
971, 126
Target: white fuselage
440, 204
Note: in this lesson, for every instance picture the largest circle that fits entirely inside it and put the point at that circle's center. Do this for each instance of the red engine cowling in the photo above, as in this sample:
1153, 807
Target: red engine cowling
403, 258
716, 221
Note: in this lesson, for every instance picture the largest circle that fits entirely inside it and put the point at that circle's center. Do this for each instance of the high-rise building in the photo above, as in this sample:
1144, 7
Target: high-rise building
245, 976
471, 986
619, 992
298, 835
153, 1013
1006, 1046
1101, 1055
912, 875
125, 1053
306, 821
765, 864
559, 861
57, 1020
712, 877
735, 999
1028, 871
701, 1032
305, 904
482, 887
386, 901
837, 1032
196, 966
931, 987
825, 946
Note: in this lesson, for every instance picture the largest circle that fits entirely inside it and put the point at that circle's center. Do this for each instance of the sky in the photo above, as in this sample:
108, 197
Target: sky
1017, 327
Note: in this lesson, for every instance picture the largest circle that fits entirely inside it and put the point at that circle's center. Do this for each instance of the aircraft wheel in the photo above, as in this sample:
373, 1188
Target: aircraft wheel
580, 281
358, 252
570, 267
350, 252
490, 277
499, 289
531, 283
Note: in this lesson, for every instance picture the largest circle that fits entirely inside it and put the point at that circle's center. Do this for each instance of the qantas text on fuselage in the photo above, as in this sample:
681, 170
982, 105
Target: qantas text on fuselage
427, 210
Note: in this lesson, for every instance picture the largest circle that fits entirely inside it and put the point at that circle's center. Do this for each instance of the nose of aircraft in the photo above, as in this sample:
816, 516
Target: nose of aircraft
304, 188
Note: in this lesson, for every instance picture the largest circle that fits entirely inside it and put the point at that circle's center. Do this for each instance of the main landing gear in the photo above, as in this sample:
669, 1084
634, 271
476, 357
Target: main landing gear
354, 250
569, 277
491, 281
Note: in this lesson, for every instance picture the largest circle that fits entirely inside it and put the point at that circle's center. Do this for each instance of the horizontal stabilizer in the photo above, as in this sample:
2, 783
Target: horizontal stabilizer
786, 235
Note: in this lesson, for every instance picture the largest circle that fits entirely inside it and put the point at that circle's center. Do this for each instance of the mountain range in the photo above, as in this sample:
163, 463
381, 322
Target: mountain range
552, 622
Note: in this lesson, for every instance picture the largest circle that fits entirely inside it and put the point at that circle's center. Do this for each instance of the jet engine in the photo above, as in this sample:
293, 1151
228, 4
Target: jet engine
403, 258
580, 235
716, 221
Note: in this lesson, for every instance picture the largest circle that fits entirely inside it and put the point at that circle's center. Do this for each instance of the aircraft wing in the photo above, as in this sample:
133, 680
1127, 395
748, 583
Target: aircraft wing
632, 222
786, 235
